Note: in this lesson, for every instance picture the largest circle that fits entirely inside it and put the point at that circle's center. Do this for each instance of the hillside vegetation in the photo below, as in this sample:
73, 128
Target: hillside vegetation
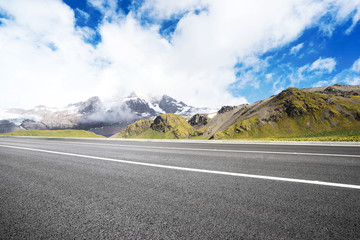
165, 126
325, 113
299, 114
55, 133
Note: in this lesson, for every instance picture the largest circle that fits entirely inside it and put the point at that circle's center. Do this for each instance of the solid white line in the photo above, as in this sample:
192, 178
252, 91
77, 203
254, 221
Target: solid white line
294, 180
210, 150
227, 150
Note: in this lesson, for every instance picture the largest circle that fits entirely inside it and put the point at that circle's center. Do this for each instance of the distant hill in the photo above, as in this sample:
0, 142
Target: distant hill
325, 113
165, 126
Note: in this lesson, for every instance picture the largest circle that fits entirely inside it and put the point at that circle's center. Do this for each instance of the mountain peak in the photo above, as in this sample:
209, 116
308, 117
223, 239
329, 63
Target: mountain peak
90, 106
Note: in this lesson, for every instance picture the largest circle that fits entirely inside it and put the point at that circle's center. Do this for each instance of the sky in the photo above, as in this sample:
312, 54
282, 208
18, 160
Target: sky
207, 53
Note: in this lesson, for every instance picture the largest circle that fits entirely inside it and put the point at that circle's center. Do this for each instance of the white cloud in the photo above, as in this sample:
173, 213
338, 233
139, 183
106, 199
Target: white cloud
269, 76
325, 83
294, 50
323, 65
356, 66
353, 81
107, 7
349, 8
347, 76
320, 84
299, 75
83, 14
278, 86
308, 71
45, 60
168, 8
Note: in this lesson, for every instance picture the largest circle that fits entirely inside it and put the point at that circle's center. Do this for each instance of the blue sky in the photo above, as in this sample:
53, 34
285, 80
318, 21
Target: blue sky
203, 52
313, 44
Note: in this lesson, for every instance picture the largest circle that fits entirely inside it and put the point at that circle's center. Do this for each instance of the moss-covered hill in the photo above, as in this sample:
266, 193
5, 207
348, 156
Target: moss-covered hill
165, 126
296, 113
55, 133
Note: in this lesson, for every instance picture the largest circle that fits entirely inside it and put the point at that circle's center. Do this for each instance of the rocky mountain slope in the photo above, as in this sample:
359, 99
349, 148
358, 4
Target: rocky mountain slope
94, 115
7, 126
298, 113
323, 111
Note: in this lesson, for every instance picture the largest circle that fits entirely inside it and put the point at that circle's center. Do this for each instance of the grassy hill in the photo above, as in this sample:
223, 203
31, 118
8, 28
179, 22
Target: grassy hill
165, 126
55, 133
300, 114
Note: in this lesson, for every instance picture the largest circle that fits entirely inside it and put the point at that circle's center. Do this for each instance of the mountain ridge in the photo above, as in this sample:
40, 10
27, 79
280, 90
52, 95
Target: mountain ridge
292, 113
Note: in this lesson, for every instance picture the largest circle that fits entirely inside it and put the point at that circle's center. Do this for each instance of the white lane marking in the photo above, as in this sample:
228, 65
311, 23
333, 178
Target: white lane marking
205, 149
294, 180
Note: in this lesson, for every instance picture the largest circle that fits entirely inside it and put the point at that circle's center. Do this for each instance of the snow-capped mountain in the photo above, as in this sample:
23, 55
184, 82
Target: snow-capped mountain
94, 115
165, 104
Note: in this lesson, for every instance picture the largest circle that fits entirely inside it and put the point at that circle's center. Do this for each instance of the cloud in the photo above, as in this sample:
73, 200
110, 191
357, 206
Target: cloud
323, 65
294, 50
167, 8
346, 9
108, 8
353, 81
356, 66
299, 75
83, 14
278, 86
352, 75
349, 76
310, 72
324, 83
46, 58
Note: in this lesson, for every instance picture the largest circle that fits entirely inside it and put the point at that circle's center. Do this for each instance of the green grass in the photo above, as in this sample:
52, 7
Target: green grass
55, 133
311, 127
135, 128
347, 136
153, 134
165, 126
173, 125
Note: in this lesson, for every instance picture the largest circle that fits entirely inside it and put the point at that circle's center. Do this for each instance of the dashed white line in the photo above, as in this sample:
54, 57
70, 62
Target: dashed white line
293, 180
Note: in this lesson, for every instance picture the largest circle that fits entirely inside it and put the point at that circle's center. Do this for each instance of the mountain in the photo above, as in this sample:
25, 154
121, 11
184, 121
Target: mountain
320, 112
93, 115
314, 112
7, 126
41, 118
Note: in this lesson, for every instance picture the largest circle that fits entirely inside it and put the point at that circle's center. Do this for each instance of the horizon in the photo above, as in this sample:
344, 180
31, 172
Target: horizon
205, 53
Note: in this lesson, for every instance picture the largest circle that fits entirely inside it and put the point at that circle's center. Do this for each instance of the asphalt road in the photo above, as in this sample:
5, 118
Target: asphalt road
54, 188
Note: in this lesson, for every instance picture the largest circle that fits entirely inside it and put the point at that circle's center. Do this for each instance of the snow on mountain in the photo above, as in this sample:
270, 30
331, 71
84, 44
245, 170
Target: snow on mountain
153, 107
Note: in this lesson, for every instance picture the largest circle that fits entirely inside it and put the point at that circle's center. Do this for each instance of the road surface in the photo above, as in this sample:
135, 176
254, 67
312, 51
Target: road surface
56, 188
